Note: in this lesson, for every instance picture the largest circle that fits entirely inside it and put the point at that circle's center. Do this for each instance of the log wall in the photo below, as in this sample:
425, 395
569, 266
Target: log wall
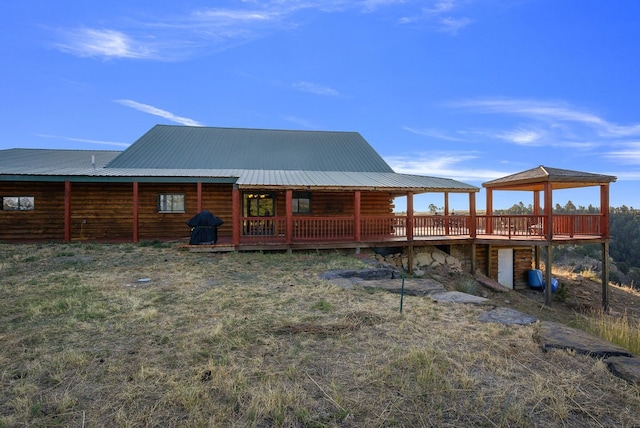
156, 225
487, 263
46, 221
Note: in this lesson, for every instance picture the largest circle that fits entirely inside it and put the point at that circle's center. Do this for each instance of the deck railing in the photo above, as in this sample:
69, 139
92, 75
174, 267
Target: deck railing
394, 227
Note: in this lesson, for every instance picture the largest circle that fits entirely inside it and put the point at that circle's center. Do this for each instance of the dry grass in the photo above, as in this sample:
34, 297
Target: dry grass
258, 340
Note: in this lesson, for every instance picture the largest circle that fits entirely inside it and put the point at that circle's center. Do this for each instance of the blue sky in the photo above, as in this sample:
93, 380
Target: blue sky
466, 89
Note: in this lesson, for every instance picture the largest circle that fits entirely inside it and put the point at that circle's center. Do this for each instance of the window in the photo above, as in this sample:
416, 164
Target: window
18, 203
171, 203
302, 202
259, 204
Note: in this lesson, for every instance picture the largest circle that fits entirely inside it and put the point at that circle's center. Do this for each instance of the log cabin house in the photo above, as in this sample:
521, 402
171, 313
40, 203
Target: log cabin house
281, 190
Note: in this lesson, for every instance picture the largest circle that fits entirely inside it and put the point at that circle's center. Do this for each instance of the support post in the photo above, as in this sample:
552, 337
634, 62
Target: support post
357, 208
410, 216
289, 215
489, 212
536, 202
446, 213
199, 197
235, 214
605, 276
474, 262
410, 258
548, 211
67, 211
548, 277
472, 213
135, 211
604, 210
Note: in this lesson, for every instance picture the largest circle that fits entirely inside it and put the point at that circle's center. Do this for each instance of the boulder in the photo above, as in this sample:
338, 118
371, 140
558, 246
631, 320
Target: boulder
439, 257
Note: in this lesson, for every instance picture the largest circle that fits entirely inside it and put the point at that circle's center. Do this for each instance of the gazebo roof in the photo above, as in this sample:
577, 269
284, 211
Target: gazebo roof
535, 179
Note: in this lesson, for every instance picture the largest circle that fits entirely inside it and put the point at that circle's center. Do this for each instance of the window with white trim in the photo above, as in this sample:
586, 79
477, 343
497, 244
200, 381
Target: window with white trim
171, 203
18, 203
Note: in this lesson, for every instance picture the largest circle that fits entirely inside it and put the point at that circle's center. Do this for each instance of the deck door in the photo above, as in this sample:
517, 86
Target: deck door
505, 267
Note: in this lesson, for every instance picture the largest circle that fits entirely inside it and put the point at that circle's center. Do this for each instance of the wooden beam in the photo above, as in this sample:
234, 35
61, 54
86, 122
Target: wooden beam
446, 213
357, 208
548, 277
67, 211
289, 215
605, 276
536, 202
474, 255
409, 216
235, 214
199, 197
489, 212
548, 210
604, 210
135, 211
472, 213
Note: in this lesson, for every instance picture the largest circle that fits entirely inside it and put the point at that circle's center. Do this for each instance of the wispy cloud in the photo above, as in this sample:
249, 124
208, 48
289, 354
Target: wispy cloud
550, 112
315, 88
433, 133
145, 108
448, 24
212, 29
441, 17
307, 124
84, 140
443, 164
629, 154
523, 137
105, 43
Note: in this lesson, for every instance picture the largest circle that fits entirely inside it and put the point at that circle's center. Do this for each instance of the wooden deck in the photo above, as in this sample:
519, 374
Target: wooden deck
273, 233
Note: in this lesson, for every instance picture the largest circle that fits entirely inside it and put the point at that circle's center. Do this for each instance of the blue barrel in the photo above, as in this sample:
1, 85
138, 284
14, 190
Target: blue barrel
535, 279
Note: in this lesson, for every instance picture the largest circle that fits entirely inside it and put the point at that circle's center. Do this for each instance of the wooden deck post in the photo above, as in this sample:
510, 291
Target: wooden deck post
604, 210
235, 214
605, 276
548, 210
474, 261
357, 203
472, 214
289, 215
67, 211
536, 212
135, 211
199, 197
409, 216
446, 213
548, 277
489, 212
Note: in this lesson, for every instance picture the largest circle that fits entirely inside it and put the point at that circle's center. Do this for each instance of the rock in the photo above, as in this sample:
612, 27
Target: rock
423, 259
502, 315
490, 283
457, 297
412, 286
553, 335
627, 368
452, 261
366, 274
439, 257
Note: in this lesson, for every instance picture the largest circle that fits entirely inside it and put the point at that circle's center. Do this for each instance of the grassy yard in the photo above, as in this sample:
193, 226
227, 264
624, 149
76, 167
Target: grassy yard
95, 335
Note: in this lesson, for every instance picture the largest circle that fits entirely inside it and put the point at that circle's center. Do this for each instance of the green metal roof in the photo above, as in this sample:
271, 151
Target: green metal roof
543, 174
185, 147
43, 161
248, 158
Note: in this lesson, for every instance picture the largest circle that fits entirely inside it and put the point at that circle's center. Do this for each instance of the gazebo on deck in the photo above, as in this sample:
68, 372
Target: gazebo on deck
551, 227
